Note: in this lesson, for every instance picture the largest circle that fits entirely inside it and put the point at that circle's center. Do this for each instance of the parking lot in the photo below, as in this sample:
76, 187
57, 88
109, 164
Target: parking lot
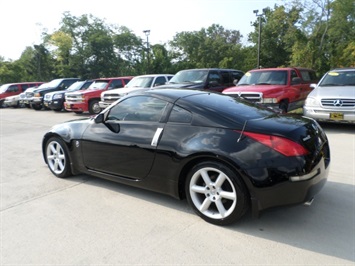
88, 221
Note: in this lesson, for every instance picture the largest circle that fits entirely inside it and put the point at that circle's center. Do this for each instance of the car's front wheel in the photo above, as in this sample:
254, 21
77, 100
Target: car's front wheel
216, 193
57, 157
94, 107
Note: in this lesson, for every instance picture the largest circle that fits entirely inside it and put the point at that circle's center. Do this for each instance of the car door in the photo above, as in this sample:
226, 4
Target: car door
296, 88
215, 82
129, 151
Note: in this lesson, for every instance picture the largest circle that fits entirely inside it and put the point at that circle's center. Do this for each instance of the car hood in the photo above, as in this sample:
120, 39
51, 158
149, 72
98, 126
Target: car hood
55, 92
253, 88
87, 91
124, 91
334, 92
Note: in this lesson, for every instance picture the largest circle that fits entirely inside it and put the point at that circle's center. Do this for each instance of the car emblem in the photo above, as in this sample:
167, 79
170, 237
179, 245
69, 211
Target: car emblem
338, 103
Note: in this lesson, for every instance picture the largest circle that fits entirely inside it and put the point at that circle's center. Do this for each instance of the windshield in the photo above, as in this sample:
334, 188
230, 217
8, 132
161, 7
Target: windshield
189, 76
98, 85
267, 77
338, 78
54, 83
140, 82
76, 86
4, 87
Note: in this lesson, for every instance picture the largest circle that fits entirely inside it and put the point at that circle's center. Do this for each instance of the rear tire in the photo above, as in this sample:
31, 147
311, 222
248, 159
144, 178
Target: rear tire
216, 193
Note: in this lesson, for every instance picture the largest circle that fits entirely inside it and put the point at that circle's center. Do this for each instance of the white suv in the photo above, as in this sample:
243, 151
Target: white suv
333, 98
142, 82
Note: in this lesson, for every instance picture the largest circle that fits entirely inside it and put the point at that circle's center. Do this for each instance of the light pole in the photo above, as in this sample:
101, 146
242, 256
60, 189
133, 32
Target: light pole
259, 37
147, 32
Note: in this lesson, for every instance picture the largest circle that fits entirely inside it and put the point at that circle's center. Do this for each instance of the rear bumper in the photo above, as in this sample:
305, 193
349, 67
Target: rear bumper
291, 192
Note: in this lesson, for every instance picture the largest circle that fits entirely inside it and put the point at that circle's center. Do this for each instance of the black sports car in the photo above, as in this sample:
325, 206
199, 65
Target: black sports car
223, 154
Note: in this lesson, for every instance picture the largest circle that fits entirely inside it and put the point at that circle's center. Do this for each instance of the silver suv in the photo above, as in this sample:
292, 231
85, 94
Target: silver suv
333, 98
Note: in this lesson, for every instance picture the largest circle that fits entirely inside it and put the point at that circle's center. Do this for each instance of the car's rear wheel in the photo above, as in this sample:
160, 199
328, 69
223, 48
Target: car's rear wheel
57, 157
216, 193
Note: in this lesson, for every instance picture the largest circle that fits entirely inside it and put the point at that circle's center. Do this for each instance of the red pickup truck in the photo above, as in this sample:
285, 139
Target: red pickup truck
88, 100
285, 89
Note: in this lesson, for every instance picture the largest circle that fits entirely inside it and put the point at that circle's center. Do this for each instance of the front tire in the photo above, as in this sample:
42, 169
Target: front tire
216, 193
94, 107
57, 157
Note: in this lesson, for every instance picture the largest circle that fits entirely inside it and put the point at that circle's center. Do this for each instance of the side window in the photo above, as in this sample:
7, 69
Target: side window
236, 76
293, 74
305, 76
138, 108
13, 88
65, 84
180, 115
126, 81
24, 87
226, 77
115, 84
159, 81
309, 76
213, 76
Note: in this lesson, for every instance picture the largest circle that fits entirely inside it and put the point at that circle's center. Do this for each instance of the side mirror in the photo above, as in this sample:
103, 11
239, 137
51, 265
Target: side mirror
112, 125
313, 86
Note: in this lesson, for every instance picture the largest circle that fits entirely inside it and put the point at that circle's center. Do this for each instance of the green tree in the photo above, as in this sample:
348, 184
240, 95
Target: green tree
211, 47
279, 32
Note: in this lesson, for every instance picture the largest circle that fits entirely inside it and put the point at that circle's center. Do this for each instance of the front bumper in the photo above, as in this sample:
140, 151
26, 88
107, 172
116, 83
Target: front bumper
54, 105
11, 102
329, 115
104, 105
76, 107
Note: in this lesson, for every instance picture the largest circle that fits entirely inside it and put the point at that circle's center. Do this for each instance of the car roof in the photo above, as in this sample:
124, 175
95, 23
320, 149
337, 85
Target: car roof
343, 69
280, 68
173, 94
125, 77
153, 75
213, 68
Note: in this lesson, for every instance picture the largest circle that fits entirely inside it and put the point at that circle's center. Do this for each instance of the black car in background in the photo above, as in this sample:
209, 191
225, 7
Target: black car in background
224, 154
211, 79
55, 100
36, 97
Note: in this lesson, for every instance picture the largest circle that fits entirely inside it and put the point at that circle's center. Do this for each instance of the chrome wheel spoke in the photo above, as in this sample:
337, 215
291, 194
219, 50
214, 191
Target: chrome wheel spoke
220, 208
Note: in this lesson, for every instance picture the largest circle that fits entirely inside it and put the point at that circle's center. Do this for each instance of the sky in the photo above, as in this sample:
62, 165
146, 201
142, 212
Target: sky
23, 21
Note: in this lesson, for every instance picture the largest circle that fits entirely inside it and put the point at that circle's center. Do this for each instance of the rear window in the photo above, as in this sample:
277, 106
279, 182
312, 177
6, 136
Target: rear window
232, 108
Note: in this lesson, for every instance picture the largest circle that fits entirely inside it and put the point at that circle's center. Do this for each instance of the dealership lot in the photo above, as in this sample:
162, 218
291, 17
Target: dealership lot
85, 220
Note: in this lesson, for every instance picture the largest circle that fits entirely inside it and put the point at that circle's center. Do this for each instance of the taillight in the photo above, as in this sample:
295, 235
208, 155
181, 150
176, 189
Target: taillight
282, 145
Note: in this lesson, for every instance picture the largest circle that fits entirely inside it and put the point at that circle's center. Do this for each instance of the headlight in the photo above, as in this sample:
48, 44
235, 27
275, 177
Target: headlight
310, 101
37, 94
269, 100
57, 96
